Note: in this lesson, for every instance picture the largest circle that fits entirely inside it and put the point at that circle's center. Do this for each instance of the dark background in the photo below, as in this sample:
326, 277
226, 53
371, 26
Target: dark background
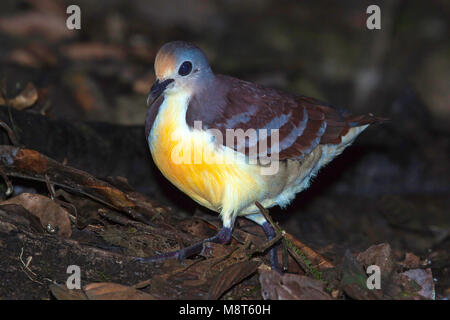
391, 186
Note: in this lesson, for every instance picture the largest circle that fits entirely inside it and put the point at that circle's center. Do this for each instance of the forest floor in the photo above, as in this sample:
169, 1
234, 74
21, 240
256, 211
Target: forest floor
85, 191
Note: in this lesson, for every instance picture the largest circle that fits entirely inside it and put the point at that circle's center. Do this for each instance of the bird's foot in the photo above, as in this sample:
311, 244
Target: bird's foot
273, 253
222, 237
274, 264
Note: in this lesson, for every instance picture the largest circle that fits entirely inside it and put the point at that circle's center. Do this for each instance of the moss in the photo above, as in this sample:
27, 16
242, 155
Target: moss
359, 279
103, 277
316, 273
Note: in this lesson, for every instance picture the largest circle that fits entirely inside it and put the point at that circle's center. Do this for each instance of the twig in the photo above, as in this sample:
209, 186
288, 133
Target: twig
11, 134
320, 261
50, 187
268, 244
26, 268
15, 142
28, 262
296, 250
30, 164
10, 188
54, 196
266, 215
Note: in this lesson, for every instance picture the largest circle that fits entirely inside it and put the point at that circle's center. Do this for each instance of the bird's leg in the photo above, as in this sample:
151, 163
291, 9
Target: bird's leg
222, 237
270, 233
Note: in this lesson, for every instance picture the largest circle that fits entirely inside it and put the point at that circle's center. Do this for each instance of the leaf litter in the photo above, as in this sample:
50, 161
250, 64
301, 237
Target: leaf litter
138, 226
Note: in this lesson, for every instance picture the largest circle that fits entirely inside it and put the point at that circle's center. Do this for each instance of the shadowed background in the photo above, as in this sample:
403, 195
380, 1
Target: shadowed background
391, 186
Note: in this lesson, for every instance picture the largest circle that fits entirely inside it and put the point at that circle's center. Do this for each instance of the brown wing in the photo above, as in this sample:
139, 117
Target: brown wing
302, 122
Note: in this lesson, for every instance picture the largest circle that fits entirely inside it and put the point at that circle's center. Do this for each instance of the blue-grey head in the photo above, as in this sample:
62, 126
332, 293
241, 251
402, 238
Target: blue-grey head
180, 66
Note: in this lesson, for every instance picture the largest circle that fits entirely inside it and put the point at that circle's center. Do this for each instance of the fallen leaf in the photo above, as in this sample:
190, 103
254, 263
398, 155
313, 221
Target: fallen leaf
411, 261
24, 58
354, 280
87, 209
48, 211
231, 276
32, 23
20, 216
61, 292
93, 51
379, 255
424, 278
198, 228
50, 6
88, 95
215, 250
35, 54
114, 291
288, 286
26, 98
186, 284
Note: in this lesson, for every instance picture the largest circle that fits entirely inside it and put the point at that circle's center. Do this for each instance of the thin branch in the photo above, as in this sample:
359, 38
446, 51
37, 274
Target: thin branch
10, 188
11, 134
298, 250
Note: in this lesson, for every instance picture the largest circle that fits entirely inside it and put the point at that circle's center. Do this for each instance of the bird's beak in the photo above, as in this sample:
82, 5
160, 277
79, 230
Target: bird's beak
157, 89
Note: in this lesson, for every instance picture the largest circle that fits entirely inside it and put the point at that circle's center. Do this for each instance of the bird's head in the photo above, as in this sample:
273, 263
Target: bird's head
179, 67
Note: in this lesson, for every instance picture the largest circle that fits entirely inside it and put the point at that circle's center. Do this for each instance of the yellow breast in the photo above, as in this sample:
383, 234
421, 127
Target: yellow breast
214, 176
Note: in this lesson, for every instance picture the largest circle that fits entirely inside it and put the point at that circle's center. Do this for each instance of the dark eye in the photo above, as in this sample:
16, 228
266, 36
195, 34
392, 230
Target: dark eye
185, 68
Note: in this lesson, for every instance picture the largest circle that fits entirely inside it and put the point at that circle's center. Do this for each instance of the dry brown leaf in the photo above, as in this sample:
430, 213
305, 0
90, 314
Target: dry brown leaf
48, 211
114, 291
424, 278
21, 216
288, 286
215, 250
61, 292
54, 7
231, 276
50, 26
92, 51
85, 92
411, 261
26, 98
183, 285
34, 55
354, 280
197, 227
379, 255
24, 58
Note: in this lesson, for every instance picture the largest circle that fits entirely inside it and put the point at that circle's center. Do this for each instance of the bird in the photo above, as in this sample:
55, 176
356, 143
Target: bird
231, 144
